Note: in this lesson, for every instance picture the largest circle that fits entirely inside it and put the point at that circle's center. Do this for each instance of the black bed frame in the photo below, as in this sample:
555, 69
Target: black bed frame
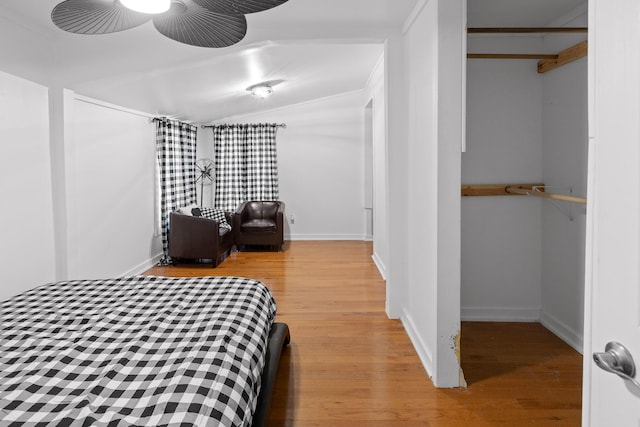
279, 338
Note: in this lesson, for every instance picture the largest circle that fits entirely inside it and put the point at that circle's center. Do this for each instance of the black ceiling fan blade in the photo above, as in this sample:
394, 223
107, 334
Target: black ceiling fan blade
95, 16
188, 23
238, 7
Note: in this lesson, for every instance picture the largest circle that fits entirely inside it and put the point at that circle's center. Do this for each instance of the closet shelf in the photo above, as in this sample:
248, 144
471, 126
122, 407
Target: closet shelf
536, 190
511, 56
524, 30
566, 56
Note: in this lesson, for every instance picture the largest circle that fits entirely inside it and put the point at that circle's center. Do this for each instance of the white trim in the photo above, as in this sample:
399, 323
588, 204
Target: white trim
413, 15
426, 357
376, 77
525, 315
591, 236
591, 254
101, 103
562, 331
379, 265
463, 83
143, 266
500, 314
359, 237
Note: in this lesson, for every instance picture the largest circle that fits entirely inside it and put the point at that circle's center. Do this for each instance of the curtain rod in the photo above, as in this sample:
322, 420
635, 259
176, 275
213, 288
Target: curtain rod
166, 119
160, 119
280, 125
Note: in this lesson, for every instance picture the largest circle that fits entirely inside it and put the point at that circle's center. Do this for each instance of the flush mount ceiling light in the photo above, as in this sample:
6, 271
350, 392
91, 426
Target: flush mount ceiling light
204, 23
260, 90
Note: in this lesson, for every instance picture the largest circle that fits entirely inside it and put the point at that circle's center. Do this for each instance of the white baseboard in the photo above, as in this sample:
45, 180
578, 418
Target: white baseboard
143, 266
558, 328
500, 314
426, 357
359, 237
563, 332
380, 265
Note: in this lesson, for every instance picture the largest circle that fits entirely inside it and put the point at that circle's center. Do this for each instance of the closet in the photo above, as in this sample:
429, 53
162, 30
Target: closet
524, 176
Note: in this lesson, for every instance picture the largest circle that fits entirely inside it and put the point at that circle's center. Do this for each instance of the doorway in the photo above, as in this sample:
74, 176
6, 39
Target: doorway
368, 170
523, 257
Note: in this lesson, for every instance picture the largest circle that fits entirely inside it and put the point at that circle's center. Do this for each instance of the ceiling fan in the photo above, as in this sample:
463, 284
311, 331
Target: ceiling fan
204, 23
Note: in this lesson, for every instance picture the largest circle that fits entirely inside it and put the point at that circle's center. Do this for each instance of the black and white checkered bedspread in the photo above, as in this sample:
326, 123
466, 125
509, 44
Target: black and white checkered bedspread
134, 351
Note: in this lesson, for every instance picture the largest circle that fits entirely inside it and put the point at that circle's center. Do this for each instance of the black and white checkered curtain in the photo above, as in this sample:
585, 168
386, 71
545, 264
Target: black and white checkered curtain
262, 163
176, 151
246, 164
230, 177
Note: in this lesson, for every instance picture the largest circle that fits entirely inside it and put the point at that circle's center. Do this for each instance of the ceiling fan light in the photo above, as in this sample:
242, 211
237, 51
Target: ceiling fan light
147, 6
260, 91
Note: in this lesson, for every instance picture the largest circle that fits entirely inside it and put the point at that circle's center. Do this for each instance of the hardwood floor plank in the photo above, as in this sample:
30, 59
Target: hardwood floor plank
349, 365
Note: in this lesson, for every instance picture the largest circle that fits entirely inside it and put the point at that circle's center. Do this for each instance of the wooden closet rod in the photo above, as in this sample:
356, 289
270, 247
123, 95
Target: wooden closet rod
513, 30
537, 190
494, 189
537, 193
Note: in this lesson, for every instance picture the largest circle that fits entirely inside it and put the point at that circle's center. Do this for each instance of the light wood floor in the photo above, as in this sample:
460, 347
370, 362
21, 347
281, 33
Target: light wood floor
349, 365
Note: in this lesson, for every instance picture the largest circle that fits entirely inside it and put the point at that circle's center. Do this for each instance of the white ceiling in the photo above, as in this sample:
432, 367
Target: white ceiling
317, 48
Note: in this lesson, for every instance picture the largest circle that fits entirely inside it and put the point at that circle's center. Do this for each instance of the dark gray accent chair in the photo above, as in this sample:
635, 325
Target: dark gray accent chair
192, 237
259, 223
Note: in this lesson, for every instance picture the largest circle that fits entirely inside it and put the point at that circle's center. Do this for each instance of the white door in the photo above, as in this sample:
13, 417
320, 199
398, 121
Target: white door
612, 297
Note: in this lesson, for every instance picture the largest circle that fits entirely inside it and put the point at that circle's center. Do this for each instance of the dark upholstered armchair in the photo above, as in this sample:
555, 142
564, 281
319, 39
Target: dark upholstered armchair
259, 223
192, 237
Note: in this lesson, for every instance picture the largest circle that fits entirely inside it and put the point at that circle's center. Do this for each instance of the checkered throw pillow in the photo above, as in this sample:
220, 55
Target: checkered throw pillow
217, 215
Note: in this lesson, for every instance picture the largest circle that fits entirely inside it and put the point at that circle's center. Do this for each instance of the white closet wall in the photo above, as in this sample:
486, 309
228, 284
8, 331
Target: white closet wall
110, 154
564, 166
501, 236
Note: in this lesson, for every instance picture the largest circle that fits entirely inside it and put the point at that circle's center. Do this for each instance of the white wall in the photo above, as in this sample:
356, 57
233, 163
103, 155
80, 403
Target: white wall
433, 81
564, 167
110, 160
421, 312
396, 163
320, 163
27, 243
501, 256
203, 151
80, 232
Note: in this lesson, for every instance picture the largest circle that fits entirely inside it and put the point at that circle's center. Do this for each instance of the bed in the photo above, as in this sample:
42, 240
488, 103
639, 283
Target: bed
140, 351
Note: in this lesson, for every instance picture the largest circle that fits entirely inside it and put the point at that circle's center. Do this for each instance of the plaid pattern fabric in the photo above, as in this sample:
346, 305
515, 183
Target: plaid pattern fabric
176, 151
134, 351
246, 165
262, 163
230, 152
217, 215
